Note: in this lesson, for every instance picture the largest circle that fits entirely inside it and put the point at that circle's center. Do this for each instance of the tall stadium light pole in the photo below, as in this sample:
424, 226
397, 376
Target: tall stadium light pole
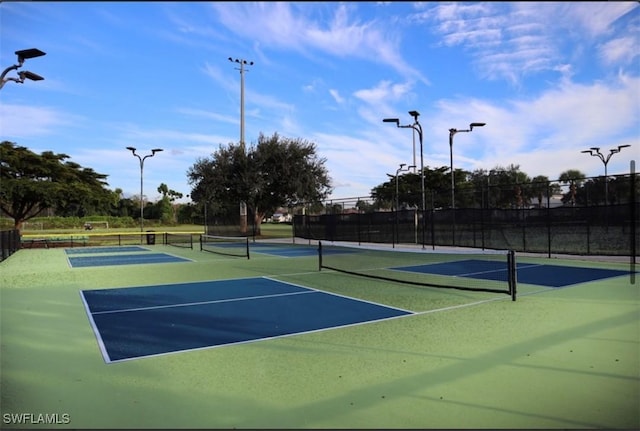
417, 127
452, 132
242, 64
595, 151
142, 159
400, 169
23, 74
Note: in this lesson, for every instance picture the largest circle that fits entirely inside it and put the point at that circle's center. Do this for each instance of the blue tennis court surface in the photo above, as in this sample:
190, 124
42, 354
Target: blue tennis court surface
281, 250
124, 259
119, 249
139, 322
290, 250
542, 275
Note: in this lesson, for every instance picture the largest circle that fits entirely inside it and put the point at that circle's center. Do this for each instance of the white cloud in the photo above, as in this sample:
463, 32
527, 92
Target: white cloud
336, 96
623, 50
286, 26
21, 121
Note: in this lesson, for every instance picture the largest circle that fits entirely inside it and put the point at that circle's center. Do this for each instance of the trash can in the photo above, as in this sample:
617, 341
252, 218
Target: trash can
151, 238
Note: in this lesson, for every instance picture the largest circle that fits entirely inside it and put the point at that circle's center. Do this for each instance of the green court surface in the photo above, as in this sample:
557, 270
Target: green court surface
558, 357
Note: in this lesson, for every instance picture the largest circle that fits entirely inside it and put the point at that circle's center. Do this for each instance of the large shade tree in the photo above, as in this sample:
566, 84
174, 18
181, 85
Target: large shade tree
275, 172
31, 183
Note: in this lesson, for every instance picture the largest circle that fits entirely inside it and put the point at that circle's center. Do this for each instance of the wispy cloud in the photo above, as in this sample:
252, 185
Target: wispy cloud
22, 121
512, 40
286, 26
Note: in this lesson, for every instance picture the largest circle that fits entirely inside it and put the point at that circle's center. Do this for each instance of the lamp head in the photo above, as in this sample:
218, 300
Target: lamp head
472, 125
587, 151
411, 167
392, 120
623, 146
402, 165
25, 74
155, 150
414, 114
595, 148
29, 53
132, 149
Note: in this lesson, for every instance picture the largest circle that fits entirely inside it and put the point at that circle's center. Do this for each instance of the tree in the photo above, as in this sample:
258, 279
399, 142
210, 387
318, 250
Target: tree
541, 187
167, 211
410, 189
274, 173
30, 183
574, 178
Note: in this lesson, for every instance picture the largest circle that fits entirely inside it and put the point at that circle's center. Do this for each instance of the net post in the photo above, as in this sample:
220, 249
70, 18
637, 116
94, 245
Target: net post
319, 255
511, 259
247, 247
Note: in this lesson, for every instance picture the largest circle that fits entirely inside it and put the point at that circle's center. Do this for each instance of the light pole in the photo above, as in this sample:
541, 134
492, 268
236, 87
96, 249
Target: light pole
142, 159
24, 74
595, 151
242, 63
417, 127
400, 169
452, 132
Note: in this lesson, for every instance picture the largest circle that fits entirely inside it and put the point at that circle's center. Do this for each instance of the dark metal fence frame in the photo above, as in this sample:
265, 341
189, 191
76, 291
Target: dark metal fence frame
9, 243
566, 229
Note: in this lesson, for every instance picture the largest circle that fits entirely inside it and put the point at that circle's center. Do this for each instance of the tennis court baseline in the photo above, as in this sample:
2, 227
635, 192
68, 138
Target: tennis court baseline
124, 259
539, 274
105, 249
138, 322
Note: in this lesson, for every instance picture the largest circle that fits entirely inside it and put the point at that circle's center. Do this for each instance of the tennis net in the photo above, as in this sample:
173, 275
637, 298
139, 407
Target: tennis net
237, 246
471, 270
179, 239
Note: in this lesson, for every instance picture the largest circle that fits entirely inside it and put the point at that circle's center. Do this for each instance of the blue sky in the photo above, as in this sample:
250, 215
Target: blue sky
550, 79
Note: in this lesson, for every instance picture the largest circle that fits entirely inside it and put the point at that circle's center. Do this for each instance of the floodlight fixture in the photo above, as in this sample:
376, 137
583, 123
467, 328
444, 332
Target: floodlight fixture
22, 75
23, 54
417, 127
29, 75
452, 133
595, 151
142, 159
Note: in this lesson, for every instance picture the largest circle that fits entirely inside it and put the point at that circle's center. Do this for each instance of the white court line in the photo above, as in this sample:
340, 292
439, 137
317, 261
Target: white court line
188, 304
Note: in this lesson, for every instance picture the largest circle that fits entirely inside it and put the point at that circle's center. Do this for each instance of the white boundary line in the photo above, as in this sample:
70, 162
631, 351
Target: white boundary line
307, 290
175, 256
189, 304
96, 332
341, 296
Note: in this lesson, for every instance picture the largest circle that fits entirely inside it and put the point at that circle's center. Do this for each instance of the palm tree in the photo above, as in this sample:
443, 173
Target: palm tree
574, 178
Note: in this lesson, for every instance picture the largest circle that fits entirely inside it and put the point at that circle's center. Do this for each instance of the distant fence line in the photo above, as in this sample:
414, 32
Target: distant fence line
608, 230
575, 227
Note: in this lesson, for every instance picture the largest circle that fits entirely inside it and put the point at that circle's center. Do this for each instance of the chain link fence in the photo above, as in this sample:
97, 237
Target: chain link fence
573, 220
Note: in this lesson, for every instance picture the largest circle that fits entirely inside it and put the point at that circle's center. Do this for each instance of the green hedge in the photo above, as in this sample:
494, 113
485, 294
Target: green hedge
44, 223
